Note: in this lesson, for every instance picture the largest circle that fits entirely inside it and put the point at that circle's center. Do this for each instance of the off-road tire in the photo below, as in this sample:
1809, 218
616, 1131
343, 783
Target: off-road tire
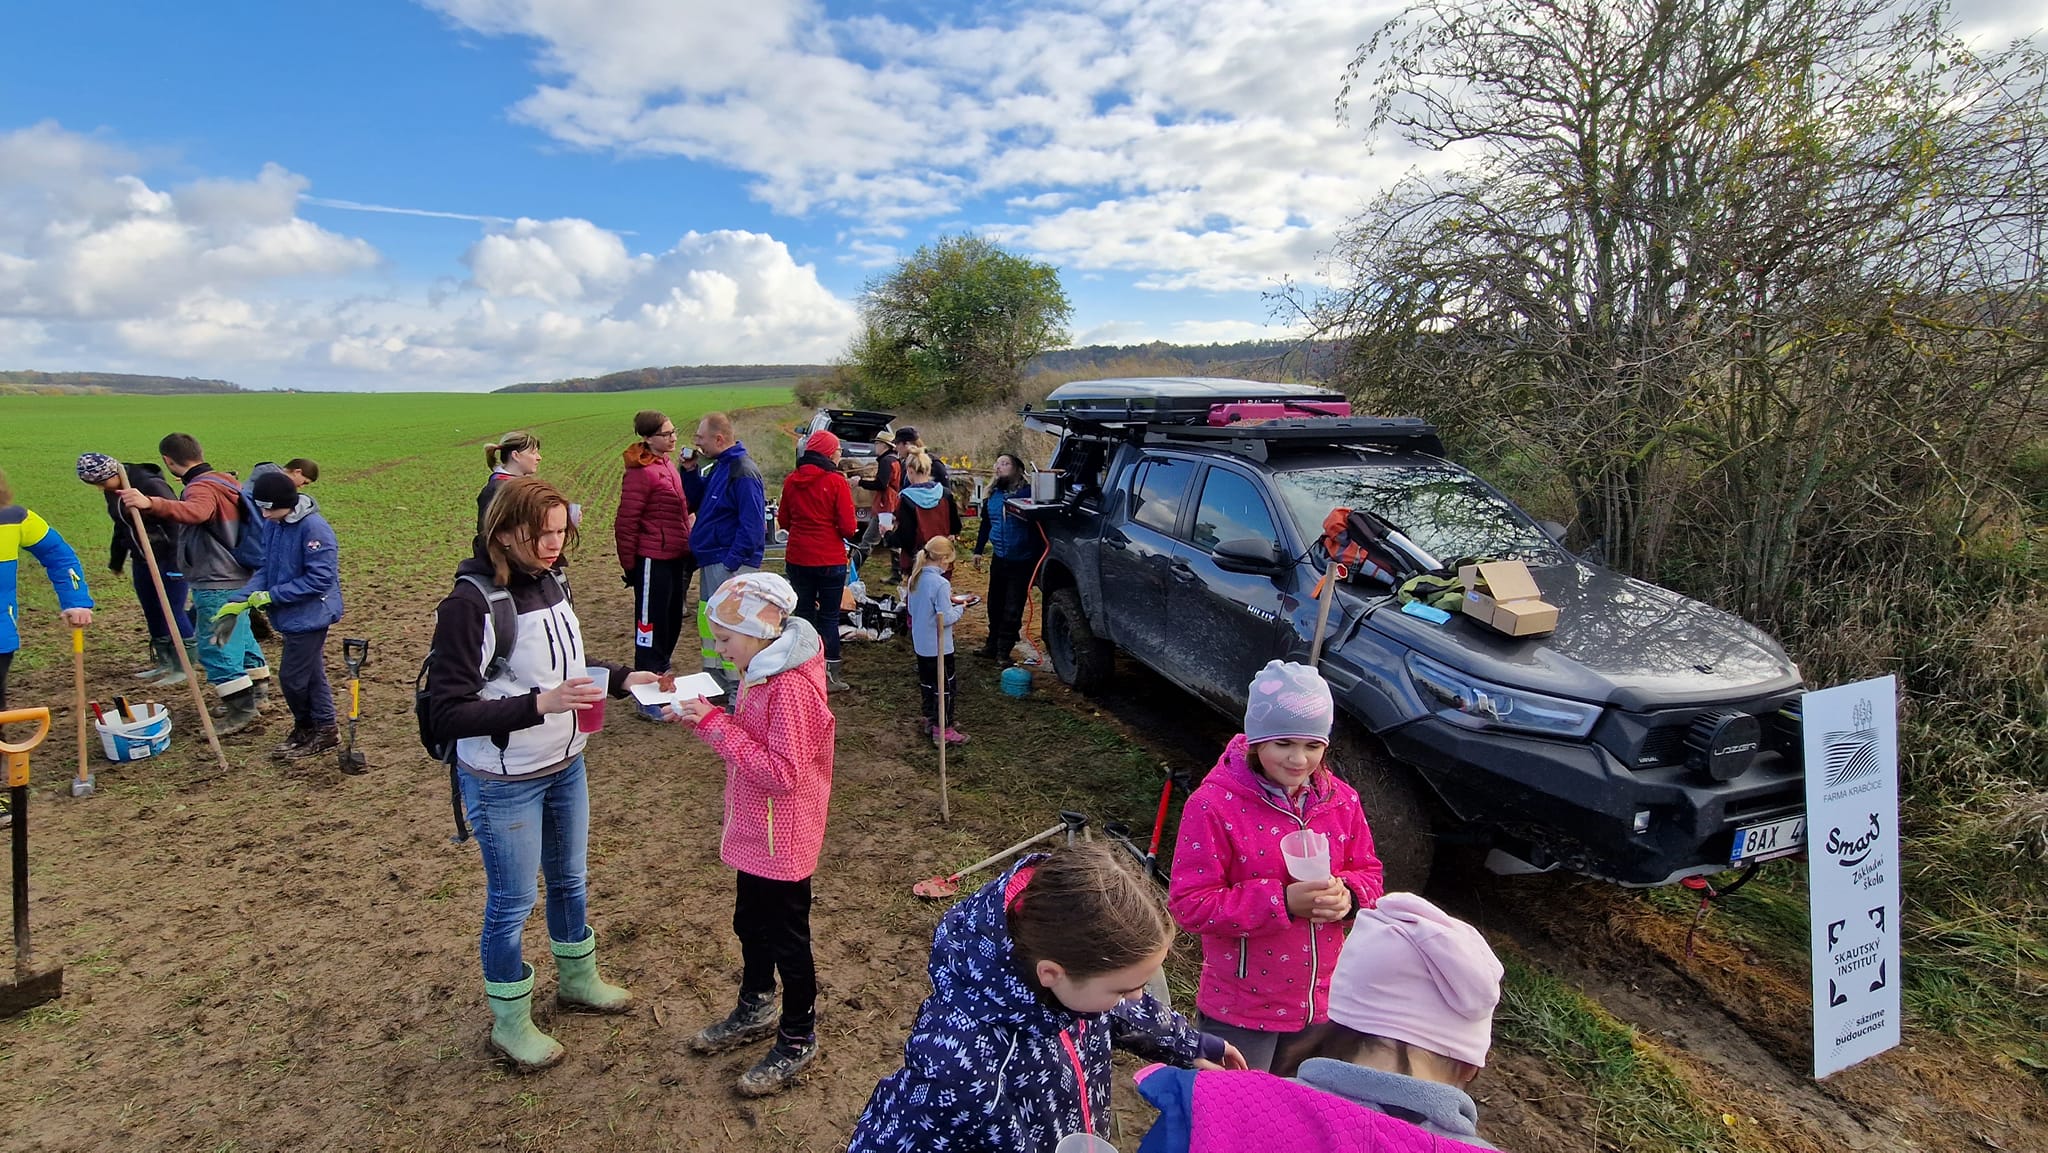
1081, 658
1396, 809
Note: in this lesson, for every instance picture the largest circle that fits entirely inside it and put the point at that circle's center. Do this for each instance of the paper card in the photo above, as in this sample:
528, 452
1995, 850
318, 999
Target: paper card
687, 689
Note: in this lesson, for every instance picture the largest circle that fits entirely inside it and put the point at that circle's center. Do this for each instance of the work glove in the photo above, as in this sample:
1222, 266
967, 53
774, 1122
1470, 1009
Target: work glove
224, 620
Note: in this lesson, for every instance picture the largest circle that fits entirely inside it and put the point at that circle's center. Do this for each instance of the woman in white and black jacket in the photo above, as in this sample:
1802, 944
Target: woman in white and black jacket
521, 757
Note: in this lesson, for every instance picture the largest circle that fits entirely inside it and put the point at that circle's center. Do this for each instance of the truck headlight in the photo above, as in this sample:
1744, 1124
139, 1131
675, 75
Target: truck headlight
1475, 704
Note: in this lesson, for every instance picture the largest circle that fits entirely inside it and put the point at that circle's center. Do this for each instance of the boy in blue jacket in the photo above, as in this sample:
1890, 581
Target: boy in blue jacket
22, 531
300, 581
730, 527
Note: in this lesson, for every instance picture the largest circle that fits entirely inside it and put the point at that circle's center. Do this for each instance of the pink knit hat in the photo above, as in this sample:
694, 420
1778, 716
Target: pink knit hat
1412, 972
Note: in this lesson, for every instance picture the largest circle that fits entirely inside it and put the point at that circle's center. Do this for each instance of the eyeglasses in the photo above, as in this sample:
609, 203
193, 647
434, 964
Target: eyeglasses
666, 432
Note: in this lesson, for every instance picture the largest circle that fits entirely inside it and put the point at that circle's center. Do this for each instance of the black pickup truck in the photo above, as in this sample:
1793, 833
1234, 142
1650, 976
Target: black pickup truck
1649, 738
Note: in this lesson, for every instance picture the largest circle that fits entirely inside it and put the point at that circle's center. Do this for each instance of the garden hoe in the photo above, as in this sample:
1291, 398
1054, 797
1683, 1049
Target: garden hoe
29, 988
355, 653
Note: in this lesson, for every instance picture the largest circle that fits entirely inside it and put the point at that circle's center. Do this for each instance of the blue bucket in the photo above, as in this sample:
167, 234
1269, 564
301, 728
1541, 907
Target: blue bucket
1016, 681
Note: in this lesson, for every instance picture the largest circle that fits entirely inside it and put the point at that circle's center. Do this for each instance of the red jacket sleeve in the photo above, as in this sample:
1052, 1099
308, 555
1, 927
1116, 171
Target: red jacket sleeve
201, 500
1201, 897
849, 521
632, 506
773, 761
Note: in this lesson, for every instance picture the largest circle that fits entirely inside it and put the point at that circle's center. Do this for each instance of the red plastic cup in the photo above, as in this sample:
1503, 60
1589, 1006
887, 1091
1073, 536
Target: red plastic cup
592, 719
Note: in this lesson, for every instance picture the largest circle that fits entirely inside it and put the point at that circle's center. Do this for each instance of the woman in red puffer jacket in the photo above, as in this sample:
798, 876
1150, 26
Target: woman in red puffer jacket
817, 509
653, 531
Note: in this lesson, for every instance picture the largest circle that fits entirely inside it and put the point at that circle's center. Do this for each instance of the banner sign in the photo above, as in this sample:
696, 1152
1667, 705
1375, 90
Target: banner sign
1852, 811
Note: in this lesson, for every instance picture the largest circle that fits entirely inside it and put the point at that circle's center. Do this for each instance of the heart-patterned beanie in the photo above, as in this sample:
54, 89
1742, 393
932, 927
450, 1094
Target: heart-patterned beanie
1288, 700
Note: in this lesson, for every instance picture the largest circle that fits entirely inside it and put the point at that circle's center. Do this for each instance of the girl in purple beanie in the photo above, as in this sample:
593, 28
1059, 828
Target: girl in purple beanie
1270, 940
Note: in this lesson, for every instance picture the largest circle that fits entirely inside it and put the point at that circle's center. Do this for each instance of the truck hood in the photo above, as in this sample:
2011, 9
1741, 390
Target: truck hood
1619, 641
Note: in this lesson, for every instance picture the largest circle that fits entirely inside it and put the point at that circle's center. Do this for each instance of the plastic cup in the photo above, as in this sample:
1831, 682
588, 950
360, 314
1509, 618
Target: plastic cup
1307, 854
592, 719
1083, 1143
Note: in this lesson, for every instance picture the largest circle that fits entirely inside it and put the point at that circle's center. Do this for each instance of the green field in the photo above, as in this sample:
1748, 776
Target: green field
399, 473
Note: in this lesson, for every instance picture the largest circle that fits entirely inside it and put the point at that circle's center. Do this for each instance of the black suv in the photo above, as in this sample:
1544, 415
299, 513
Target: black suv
1649, 738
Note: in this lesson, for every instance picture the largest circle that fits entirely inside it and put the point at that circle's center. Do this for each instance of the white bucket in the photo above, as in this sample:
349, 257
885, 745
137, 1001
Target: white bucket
146, 736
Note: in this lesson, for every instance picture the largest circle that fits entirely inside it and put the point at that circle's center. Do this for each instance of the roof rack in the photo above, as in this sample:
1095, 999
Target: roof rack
1260, 441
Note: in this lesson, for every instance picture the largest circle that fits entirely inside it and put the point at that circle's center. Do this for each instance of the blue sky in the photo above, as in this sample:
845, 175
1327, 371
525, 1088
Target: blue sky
633, 182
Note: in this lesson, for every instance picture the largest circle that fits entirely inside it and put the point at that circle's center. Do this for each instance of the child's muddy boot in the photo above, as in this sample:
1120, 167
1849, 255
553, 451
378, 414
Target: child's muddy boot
779, 1069
750, 1020
833, 679
239, 711
577, 985
513, 1034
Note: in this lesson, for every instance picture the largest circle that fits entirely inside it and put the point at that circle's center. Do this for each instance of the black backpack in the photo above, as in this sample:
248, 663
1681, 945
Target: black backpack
505, 626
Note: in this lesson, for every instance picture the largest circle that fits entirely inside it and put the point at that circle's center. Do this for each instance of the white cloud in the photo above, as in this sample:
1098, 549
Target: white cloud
1126, 332
221, 277
1192, 141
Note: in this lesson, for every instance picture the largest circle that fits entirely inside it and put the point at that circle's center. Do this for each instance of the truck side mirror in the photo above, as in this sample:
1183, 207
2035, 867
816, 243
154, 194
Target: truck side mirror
1249, 555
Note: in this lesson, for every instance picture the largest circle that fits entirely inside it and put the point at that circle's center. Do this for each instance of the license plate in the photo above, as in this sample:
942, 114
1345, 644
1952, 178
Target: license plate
1771, 839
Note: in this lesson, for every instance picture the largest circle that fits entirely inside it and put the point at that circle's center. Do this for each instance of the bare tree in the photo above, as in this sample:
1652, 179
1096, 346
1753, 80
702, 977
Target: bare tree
1774, 265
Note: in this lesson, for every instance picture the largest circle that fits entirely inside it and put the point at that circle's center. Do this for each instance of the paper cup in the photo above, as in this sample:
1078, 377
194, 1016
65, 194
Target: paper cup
1307, 854
592, 719
1083, 1143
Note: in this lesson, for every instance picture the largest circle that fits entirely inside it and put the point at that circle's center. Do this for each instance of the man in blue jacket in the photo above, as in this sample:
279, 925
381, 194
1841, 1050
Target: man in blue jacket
732, 519
300, 581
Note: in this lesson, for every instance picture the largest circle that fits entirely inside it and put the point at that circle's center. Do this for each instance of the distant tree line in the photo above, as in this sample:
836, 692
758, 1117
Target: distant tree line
674, 376
104, 383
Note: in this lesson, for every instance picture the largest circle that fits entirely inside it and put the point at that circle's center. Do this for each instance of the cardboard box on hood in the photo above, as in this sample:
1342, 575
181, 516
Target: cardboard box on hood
1503, 596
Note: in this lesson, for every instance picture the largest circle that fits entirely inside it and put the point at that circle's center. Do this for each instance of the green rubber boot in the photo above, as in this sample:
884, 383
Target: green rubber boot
175, 679
513, 1033
577, 985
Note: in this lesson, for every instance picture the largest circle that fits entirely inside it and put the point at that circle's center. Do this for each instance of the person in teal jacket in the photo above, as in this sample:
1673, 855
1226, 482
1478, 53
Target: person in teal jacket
21, 529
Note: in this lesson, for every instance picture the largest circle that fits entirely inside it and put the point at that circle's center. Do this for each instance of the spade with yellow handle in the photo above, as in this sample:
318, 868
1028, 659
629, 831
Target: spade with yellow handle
29, 988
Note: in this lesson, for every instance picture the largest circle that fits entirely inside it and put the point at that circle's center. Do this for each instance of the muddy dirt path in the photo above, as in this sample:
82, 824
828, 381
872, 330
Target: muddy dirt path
285, 959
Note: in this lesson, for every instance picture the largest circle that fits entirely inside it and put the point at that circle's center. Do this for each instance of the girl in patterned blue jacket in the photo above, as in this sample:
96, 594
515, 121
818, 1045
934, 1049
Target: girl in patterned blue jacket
1034, 980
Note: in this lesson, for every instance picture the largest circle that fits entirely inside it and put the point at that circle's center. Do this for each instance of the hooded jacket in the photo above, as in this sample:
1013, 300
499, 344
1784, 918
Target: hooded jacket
924, 511
162, 534
817, 509
777, 748
732, 518
1262, 968
1247, 1111
301, 571
499, 728
654, 515
929, 601
993, 1065
211, 503
22, 530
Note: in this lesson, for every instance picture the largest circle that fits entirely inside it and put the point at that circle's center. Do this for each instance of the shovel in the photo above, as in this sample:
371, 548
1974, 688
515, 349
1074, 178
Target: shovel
355, 653
81, 785
936, 887
29, 988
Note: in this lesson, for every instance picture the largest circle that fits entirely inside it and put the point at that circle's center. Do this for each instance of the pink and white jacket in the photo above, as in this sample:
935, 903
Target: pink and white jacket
777, 748
1261, 967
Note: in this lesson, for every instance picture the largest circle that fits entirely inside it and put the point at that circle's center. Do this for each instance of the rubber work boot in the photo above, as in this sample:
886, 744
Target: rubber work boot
175, 679
752, 1019
577, 985
292, 744
833, 680
513, 1034
778, 1070
324, 739
240, 712
166, 659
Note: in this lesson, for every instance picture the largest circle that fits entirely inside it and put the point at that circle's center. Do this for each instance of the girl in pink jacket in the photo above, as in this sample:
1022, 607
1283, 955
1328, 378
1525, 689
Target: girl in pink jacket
1269, 942
777, 748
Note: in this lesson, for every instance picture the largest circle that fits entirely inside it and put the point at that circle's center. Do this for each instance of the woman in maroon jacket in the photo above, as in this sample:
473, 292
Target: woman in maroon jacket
817, 509
653, 531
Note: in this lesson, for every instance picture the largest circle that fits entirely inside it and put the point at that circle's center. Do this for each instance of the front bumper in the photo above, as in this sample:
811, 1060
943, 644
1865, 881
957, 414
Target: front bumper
1572, 805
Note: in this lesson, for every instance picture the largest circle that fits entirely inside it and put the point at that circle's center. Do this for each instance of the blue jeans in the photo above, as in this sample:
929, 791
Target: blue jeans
227, 665
522, 828
153, 609
818, 591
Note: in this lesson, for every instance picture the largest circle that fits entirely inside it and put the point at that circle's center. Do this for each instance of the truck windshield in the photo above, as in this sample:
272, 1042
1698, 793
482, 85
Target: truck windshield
1445, 510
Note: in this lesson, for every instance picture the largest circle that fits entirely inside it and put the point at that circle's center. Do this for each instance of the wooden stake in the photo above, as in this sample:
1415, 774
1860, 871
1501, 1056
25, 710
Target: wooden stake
945, 806
163, 598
